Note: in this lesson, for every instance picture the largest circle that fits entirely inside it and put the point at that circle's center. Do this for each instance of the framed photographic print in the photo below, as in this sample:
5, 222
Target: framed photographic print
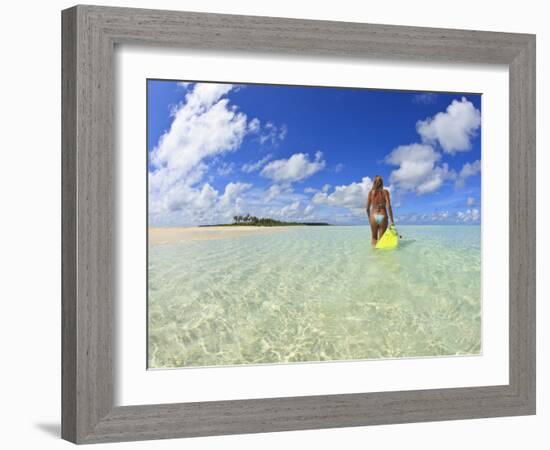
268, 222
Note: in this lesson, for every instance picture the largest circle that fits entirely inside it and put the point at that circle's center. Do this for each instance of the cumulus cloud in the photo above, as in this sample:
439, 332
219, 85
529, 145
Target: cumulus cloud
183, 196
470, 201
351, 196
225, 169
254, 125
295, 210
184, 204
308, 210
469, 216
272, 192
291, 211
204, 125
426, 217
232, 191
277, 201
452, 129
255, 166
272, 134
418, 169
276, 190
440, 216
295, 168
325, 188
468, 170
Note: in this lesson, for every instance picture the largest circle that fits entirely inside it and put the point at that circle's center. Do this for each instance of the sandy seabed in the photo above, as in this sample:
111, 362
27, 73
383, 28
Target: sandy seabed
161, 235
301, 294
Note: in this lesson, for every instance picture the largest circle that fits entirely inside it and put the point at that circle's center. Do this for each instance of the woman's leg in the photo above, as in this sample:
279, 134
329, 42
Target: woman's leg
373, 230
382, 227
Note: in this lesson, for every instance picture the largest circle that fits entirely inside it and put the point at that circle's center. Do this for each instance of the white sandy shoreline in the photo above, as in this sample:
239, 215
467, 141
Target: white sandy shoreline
162, 235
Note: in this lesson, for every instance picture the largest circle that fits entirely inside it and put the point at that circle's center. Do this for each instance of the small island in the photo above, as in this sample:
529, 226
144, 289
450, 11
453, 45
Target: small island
254, 221
247, 225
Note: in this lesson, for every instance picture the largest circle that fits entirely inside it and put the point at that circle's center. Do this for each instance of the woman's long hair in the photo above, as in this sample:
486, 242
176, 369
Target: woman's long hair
378, 183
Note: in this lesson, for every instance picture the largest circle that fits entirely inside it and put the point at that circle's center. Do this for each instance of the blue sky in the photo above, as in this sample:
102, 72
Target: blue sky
216, 150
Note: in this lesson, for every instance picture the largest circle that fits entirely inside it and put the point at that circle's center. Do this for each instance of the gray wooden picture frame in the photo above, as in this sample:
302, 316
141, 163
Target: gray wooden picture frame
90, 34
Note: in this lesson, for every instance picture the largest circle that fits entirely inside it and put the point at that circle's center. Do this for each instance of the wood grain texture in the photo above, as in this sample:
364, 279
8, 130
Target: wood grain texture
68, 225
88, 209
89, 36
522, 224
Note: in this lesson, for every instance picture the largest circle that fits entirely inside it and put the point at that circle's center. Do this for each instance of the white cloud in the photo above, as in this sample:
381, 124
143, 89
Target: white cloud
325, 188
232, 191
468, 170
418, 170
185, 205
452, 129
184, 197
351, 196
308, 210
440, 216
291, 211
283, 130
275, 190
425, 98
204, 125
295, 211
253, 167
470, 201
468, 216
225, 169
295, 168
272, 133
272, 192
310, 190
254, 125
277, 201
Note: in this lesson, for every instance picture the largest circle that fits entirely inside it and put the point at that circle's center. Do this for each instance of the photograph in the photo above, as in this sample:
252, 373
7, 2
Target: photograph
299, 224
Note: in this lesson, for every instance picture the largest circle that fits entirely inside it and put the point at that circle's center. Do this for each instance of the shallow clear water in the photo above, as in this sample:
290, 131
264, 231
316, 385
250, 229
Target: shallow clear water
314, 294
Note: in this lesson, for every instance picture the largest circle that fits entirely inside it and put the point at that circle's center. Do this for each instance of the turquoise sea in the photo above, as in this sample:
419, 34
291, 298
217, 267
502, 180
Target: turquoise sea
314, 294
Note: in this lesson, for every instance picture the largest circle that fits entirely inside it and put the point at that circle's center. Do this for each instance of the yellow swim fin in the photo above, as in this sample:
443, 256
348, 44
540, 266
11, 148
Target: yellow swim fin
389, 239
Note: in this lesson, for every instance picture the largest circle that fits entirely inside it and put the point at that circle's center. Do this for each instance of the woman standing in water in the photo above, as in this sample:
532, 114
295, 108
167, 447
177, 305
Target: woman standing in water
379, 201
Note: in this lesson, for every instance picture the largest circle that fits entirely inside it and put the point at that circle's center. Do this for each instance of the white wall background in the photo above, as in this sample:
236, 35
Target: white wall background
30, 226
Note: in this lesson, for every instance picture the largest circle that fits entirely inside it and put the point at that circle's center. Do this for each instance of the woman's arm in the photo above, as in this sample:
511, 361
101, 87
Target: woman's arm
368, 205
388, 204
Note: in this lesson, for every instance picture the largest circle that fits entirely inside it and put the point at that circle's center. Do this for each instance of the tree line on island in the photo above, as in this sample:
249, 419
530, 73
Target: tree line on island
250, 220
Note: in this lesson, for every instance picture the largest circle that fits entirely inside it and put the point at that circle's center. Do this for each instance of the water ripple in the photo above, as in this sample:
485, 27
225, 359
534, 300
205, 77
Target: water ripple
314, 294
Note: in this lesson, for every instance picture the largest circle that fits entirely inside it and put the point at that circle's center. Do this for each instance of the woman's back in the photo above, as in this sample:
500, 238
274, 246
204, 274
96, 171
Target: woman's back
378, 199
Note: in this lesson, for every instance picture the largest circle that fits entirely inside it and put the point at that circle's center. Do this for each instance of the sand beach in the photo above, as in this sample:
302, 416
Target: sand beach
171, 235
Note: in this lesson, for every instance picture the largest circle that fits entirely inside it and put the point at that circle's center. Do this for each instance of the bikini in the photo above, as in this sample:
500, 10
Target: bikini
379, 218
